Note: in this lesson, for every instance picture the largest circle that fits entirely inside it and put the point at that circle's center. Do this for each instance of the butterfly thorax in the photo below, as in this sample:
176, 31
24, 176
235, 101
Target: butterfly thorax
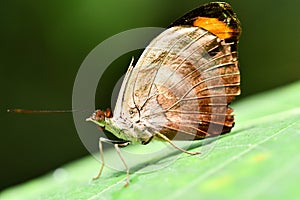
125, 129
136, 132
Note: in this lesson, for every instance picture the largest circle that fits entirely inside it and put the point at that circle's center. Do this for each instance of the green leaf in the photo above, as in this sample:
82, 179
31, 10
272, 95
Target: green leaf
259, 159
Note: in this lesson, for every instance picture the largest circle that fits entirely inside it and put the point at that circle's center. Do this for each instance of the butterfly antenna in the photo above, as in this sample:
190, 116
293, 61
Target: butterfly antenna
24, 111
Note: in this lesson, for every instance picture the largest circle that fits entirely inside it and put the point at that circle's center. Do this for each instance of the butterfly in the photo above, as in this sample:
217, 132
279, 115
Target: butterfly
181, 85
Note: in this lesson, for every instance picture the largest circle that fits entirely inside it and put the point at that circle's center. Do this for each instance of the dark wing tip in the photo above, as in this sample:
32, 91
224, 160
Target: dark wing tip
218, 10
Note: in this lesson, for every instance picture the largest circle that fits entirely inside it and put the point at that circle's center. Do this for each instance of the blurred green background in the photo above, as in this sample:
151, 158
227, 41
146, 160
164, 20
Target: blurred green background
43, 44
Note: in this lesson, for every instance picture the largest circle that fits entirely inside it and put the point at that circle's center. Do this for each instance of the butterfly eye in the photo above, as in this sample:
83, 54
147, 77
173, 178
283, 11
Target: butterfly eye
98, 115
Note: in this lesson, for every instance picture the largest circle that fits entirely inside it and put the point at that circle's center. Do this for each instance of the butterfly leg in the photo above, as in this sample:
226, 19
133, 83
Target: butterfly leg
176, 147
123, 161
116, 143
101, 139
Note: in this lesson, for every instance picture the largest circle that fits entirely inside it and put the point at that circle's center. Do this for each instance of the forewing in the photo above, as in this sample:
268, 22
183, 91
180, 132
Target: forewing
187, 76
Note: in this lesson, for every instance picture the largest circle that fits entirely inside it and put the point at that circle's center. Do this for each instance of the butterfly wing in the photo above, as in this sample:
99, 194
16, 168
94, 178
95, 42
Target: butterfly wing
184, 80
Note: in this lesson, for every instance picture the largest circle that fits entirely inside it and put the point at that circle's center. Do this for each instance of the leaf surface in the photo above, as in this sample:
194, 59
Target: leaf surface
259, 159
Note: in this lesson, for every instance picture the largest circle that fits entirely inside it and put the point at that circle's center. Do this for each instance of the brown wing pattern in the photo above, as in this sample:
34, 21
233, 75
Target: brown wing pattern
185, 79
189, 77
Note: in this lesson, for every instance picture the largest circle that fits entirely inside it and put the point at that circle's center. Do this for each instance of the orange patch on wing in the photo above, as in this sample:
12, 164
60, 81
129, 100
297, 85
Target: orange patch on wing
215, 26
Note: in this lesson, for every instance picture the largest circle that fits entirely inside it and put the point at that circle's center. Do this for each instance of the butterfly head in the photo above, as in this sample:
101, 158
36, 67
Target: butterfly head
99, 116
